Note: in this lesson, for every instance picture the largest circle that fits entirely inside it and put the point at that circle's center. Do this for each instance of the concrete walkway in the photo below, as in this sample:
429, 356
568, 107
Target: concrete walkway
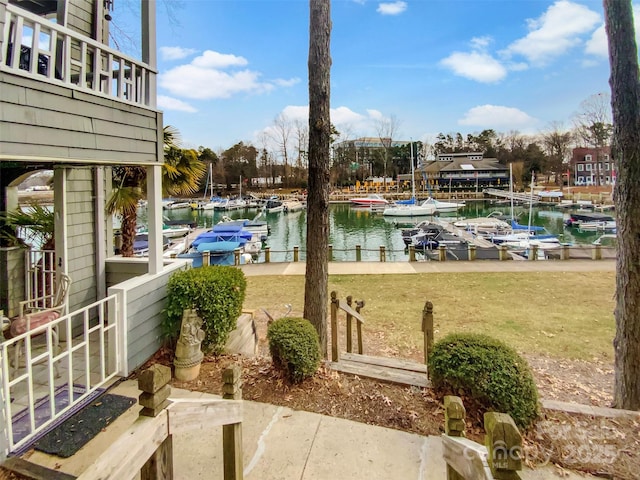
381, 268
283, 444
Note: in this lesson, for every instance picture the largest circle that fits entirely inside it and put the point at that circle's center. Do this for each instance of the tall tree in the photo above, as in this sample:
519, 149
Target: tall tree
625, 99
386, 129
557, 145
319, 65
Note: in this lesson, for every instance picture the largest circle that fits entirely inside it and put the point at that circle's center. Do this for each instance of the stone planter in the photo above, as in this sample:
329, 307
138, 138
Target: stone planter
12, 279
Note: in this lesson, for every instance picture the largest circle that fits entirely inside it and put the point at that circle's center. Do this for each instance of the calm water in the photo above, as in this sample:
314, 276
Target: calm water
351, 226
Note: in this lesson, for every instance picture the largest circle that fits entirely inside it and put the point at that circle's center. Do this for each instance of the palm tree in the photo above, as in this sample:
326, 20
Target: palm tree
181, 174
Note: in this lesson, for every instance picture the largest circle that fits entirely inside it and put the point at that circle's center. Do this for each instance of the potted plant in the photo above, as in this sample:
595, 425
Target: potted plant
19, 232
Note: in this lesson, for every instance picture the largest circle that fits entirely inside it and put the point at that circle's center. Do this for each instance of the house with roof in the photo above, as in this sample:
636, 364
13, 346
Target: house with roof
72, 103
463, 171
592, 166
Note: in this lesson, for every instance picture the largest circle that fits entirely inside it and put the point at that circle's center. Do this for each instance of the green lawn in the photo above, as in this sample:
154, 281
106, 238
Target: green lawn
567, 315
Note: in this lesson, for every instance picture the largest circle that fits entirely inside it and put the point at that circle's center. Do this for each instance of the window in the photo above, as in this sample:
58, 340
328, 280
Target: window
580, 167
587, 158
606, 157
587, 167
606, 166
608, 180
600, 165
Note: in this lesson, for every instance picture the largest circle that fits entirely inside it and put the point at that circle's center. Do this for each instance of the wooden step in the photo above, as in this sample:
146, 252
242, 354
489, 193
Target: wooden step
391, 370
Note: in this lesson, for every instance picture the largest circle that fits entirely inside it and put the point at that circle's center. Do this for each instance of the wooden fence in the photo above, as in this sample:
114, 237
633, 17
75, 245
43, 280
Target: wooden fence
499, 458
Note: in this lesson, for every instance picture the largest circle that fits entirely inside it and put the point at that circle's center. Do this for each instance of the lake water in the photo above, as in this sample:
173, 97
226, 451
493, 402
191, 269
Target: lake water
351, 226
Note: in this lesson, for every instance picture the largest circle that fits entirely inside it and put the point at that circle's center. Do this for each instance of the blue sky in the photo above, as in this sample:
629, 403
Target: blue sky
228, 68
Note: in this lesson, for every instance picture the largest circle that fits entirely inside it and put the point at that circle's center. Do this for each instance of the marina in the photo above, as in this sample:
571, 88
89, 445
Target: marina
361, 233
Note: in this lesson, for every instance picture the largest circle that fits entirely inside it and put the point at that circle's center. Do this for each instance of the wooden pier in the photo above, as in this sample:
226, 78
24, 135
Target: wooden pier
518, 197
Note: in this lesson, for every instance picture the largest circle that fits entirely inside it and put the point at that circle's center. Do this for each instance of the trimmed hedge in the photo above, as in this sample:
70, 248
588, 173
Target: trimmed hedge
216, 293
487, 370
294, 347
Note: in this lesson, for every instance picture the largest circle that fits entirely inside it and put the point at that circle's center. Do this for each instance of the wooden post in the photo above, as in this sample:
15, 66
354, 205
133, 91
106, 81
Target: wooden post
472, 252
442, 253
232, 433
206, 256
427, 328
330, 253
267, 254
155, 387
502, 252
236, 257
296, 253
334, 327
504, 445
564, 252
349, 326
596, 253
383, 253
359, 306
412, 253
533, 253
358, 253
454, 425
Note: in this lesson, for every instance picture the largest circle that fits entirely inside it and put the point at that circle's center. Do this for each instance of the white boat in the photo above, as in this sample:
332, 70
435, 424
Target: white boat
409, 210
292, 205
483, 225
372, 199
273, 205
443, 207
177, 206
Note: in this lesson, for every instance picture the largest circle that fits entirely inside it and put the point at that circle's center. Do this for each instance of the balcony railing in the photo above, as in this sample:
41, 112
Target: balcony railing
35, 47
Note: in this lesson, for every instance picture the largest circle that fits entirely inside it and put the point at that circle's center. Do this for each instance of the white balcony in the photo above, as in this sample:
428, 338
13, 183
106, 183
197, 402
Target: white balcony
40, 49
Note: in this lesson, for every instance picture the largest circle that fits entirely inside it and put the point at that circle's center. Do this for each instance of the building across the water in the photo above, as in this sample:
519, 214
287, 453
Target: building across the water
463, 171
590, 163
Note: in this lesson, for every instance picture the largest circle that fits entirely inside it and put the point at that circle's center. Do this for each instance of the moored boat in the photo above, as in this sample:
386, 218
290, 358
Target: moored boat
372, 199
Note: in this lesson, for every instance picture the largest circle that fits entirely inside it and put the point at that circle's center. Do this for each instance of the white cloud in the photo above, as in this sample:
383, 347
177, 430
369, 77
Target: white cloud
170, 103
211, 59
598, 44
296, 112
495, 116
395, 8
213, 75
478, 66
557, 30
281, 82
175, 53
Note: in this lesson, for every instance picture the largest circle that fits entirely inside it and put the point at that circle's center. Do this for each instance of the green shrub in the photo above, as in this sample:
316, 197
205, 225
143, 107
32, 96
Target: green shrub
216, 293
294, 347
488, 371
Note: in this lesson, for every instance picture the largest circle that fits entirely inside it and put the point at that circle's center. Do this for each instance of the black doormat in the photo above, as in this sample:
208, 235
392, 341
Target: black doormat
71, 435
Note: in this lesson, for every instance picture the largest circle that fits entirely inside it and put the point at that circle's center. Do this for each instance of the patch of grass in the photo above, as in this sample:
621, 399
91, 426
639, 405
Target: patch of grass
565, 315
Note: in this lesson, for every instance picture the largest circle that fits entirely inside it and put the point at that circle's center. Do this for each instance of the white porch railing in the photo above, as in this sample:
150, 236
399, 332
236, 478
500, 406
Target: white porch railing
49, 381
38, 48
40, 274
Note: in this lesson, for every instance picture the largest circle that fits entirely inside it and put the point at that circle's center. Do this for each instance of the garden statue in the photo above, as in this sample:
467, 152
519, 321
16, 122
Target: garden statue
188, 354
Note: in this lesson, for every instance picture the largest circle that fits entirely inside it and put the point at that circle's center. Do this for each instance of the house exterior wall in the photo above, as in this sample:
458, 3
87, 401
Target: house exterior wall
81, 237
80, 17
588, 163
144, 299
50, 122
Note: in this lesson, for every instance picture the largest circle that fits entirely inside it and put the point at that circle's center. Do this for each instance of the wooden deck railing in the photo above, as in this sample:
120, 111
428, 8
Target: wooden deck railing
43, 50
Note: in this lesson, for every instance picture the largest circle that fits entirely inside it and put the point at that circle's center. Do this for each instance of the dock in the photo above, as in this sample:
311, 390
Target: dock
518, 197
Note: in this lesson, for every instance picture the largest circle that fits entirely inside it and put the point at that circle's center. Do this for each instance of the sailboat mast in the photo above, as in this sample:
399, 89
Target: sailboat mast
413, 176
511, 188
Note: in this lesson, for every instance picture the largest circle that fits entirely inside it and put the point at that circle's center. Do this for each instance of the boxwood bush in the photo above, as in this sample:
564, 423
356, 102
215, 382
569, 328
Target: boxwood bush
295, 347
487, 370
216, 293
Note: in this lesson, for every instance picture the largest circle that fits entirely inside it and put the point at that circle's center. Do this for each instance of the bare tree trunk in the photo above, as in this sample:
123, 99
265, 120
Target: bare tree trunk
625, 100
317, 274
